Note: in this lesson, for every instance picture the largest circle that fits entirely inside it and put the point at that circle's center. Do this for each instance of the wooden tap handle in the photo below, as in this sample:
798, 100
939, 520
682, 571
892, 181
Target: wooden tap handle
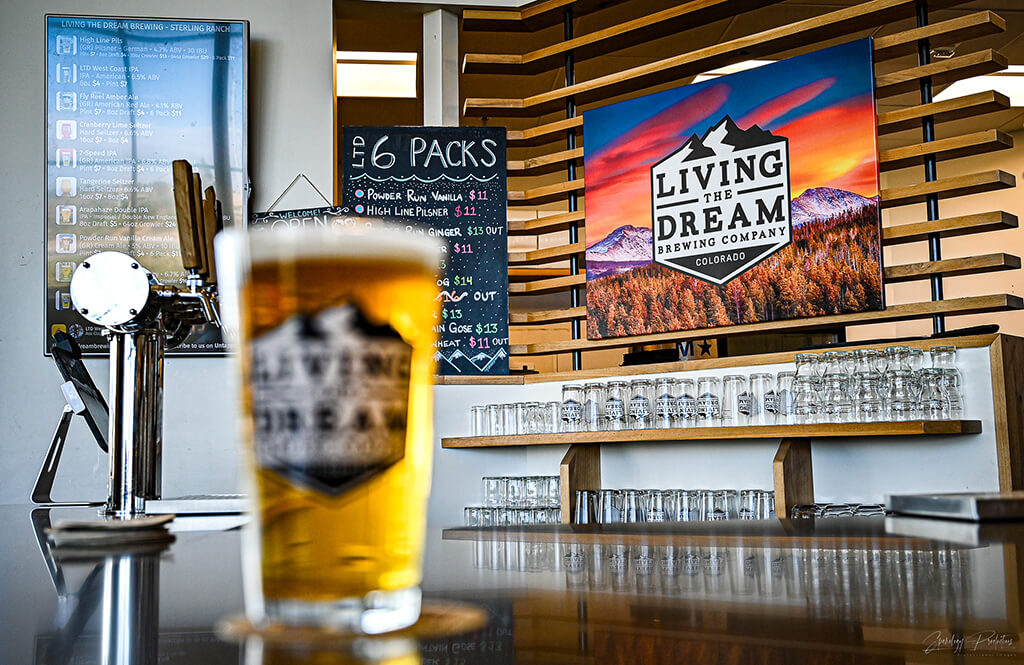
183, 208
197, 223
210, 227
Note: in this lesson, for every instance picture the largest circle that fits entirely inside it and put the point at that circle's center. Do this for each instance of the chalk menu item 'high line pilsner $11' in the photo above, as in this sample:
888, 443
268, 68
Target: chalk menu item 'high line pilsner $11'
335, 333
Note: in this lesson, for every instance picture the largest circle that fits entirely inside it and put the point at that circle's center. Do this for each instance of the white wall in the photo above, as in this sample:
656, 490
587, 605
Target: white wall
291, 130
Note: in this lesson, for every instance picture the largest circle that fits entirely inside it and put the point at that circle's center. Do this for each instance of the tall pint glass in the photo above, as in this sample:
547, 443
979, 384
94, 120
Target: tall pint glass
333, 332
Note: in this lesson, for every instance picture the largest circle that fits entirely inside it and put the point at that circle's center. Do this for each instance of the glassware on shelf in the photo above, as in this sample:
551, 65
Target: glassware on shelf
934, 401
551, 419
807, 402
785, 397
609, 506
666, 397
593, 406
686, 403
750, 504
901, 400
734, 394
866, 360
639, 412
553, 491
478, 421
632, 507
709, 401
836, 400
944, 359
572, 409
718, 505
508, 420
761, 393
586, 507
495, 421
838, 510
616, 404
804, 511
495, 490
521, 417
868, 404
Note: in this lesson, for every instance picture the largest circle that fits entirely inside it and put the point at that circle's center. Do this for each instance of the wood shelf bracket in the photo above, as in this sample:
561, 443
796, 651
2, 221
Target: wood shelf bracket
580, 469
794, 482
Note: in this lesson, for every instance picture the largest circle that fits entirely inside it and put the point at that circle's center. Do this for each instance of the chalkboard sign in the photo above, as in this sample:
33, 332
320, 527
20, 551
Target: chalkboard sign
449, 183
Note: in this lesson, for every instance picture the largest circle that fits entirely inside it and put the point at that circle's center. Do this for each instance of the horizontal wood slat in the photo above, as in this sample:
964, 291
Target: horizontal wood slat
940, 71
968, 106
545, 162
943, 33
968, 265
918, 310
547, 316
945, 188
546, 224
628, 33
949, 227
839, 23
543, 133
547, 285
944, 149
534, 16
529, 274
544, 194
546, 254
733, 433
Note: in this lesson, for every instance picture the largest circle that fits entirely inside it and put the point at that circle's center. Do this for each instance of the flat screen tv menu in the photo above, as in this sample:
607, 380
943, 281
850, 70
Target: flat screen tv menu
124, 98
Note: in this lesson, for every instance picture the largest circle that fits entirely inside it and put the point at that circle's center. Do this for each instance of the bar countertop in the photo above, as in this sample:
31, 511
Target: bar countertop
848, 590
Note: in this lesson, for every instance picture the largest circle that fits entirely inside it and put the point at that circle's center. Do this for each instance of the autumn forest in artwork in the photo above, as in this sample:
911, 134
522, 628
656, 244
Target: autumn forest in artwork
831, 267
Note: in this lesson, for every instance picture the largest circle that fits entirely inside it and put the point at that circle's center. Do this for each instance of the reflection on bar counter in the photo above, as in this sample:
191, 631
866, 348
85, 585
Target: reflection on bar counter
865, 385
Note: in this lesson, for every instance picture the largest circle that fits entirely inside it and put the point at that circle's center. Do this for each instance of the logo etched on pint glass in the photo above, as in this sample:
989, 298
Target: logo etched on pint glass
330, 398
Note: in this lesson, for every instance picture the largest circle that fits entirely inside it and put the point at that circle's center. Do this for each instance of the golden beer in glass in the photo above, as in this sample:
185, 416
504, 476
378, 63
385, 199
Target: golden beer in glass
335, 335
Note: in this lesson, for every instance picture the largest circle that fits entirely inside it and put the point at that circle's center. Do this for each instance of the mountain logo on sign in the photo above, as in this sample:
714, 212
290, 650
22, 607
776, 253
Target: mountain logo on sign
481, 362
721, 202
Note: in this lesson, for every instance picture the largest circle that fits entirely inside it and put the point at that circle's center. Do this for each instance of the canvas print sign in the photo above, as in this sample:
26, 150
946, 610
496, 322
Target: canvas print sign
748, 198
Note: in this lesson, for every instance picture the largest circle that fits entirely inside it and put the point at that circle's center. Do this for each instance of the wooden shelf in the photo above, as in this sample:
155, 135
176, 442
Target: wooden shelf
968, 106
943, 33
949, 227
943, 71
944, 149
828, 431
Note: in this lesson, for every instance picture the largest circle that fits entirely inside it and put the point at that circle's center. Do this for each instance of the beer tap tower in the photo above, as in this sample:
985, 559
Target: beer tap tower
143, 318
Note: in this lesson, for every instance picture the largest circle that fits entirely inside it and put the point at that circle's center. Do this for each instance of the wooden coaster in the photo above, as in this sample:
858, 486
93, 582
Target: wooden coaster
437, 619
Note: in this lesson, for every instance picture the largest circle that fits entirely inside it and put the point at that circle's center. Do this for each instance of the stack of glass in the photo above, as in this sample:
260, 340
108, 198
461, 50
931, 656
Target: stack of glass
866, 385
517, 501
609, 506
807, 510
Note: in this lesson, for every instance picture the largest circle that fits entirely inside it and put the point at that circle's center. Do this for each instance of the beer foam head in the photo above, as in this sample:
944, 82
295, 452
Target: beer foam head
372, 239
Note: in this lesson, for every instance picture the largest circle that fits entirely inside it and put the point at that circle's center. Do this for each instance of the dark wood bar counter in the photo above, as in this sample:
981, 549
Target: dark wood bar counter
847, 590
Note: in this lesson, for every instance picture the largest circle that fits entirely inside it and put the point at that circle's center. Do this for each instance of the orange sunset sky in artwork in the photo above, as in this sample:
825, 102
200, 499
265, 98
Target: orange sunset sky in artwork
822, 102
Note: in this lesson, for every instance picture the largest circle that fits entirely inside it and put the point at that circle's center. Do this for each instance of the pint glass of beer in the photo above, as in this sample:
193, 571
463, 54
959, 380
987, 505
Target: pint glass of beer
334, 333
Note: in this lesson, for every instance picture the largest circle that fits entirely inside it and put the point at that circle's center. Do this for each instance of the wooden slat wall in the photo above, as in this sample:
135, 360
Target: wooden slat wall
548, 154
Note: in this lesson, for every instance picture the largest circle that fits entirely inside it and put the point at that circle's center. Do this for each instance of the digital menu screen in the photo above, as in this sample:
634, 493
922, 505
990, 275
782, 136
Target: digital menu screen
124, 98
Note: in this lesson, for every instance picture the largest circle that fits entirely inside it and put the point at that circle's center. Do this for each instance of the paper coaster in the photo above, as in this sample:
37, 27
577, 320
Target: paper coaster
437, 619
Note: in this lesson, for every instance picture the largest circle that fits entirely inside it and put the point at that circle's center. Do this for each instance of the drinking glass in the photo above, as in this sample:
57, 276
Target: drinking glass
735, 400
686, 505
750, 504
515, 491
709, 400
837, 510
761, 391
952, 383
934, 401
609, 505
593, 406
572, 408
719, 506
766, 505
901, 401
586, 507
808, 365
338, 499
785, 397
868, 404
866, 360
495, 422
666, 398
487, 516
804, 511
508, 419
807, 403
495, 490
705, 502
536, 489
551, 418
686, 403
553, 490
471, 515
640, 398
836, 401
632, 507
657, 505
478, 421
869, 510
615, 405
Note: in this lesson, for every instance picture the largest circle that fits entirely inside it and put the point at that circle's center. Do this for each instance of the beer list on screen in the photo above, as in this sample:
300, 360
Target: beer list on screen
124, 98
448, 183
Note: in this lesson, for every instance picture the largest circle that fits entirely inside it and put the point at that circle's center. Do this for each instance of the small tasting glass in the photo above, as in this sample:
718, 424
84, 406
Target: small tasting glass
495, 492
609, 506
632, 507
868, 403
807, 403
709, 400
593, 406
495, 423
615, 405
785, 397
508, 419
666, 397
762, 395
686, 403
478, 421
639, 410
734, 393
551, 419
572, 408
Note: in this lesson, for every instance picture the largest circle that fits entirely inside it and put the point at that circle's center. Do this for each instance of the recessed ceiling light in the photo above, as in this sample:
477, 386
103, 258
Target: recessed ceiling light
1010, 82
